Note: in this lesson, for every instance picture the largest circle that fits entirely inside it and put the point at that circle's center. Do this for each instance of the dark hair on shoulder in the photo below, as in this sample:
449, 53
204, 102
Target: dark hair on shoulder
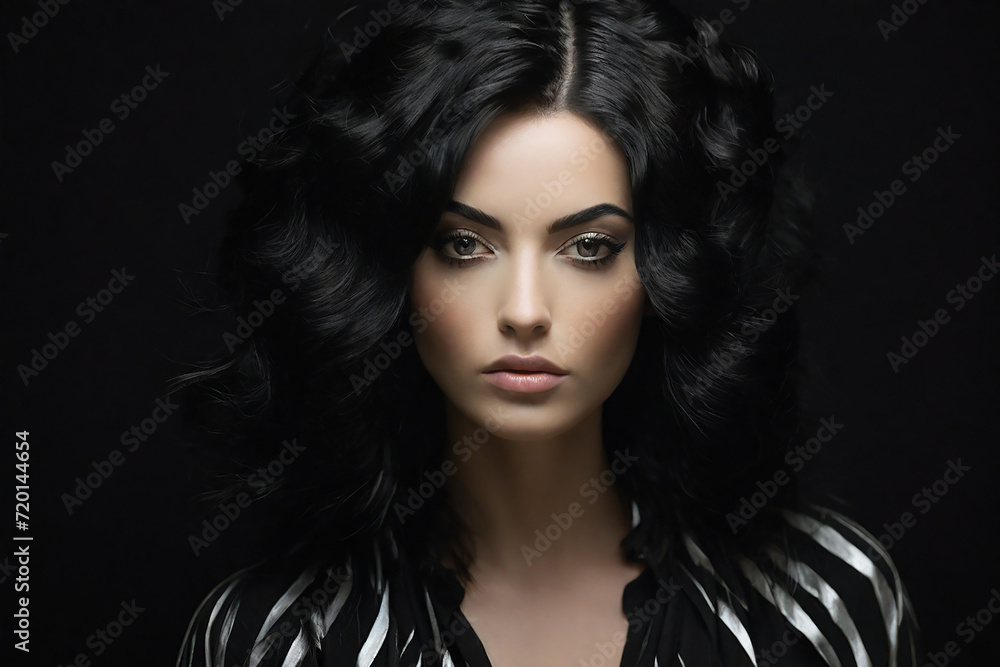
341, 204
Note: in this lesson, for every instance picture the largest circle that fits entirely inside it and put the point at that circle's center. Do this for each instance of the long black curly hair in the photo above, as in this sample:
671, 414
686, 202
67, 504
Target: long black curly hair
317, 261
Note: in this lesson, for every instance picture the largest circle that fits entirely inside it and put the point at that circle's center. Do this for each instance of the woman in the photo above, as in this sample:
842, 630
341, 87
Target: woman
531, 321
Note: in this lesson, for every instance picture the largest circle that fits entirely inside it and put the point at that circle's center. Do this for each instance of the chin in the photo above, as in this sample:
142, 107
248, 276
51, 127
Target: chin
523, 420
526, 433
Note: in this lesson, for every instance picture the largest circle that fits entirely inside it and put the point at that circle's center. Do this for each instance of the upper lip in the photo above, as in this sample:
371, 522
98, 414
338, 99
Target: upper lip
534, 363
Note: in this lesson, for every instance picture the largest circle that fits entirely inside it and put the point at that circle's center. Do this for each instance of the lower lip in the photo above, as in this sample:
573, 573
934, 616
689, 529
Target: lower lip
529, 383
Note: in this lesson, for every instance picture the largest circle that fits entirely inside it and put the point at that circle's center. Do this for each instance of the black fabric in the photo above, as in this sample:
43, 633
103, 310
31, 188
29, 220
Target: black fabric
679, 612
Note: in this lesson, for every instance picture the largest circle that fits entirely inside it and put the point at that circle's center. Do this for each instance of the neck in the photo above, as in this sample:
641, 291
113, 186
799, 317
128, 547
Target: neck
507, 491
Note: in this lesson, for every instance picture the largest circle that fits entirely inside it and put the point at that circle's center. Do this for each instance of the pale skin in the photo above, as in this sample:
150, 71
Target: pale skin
526, 291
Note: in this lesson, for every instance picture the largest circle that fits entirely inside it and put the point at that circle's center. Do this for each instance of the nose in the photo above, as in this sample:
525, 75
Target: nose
524, 309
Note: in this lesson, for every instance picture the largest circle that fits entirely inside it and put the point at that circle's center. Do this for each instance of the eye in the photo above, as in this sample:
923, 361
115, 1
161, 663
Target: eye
589, 247
459, 245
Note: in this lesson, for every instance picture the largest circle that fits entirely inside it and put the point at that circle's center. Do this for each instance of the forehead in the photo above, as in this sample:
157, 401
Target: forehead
542, 167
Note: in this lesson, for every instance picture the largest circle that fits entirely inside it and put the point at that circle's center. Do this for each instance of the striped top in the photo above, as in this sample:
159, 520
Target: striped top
834, 598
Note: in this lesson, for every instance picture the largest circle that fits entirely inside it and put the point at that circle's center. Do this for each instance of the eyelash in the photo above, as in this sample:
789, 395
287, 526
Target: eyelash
602, 239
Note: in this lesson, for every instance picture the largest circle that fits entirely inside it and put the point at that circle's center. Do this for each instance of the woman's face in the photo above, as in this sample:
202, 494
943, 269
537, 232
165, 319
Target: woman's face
496, 281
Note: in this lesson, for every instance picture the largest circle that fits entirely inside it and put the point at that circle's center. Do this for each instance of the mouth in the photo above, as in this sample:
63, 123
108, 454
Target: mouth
528, 382
532, 374
517, 364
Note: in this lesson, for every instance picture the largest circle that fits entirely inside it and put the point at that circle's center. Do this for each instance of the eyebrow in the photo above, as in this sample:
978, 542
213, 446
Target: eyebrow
571, 220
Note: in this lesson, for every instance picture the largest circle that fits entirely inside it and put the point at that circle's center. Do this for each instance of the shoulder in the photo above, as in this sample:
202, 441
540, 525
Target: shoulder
816, 588
833, 582
268, 614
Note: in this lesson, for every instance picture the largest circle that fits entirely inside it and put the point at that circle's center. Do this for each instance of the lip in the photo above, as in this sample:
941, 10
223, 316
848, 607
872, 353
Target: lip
528, 375
524, 382
533, 364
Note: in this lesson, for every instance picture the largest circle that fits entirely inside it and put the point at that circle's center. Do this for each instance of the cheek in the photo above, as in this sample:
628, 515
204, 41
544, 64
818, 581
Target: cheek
439, 320
606, 328
622, 329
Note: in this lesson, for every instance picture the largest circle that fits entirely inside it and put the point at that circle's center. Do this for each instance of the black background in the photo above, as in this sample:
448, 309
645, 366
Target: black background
119, 208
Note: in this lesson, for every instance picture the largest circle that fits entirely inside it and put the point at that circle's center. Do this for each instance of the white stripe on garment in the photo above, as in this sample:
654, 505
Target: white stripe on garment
438, 644
211, 621
816, 586
323, 619
728, 618
226, 631
842, 548
377, 582
190, 633
264, 640
702, 560
297, 651
376, 637
790, 609
286, 599
407, 642
901, 601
